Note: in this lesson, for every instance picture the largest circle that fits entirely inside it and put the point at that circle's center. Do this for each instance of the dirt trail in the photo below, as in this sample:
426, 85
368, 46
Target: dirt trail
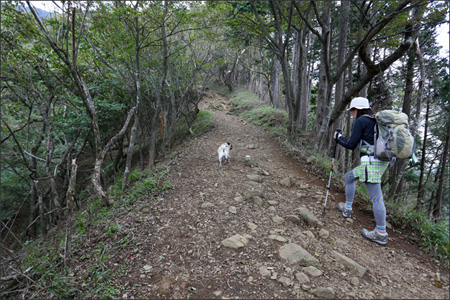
180, 252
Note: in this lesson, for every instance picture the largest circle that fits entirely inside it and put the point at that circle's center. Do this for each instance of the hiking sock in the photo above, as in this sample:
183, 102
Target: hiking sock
381, 230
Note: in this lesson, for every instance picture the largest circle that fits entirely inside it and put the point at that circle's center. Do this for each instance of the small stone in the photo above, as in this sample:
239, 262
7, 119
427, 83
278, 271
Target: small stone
239, 199
285, 281
302, 277
208, 205
323, 233
251, 225
147, 267
217, 293
264, 271
258, 201
309, 234
286, 182
312, 271
294, 219
277, 238
311, 159
232, 209
323, 292
355, 281
278, 220
255, 178
236, 241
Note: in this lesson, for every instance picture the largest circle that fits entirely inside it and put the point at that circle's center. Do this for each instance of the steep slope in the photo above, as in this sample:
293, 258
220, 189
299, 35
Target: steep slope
260, 200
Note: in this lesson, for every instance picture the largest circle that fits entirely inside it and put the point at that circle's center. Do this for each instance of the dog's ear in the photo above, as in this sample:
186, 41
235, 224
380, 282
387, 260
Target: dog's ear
231, 146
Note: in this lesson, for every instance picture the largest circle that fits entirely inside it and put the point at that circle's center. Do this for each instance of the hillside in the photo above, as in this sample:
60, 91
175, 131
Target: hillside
175, 244
180, 252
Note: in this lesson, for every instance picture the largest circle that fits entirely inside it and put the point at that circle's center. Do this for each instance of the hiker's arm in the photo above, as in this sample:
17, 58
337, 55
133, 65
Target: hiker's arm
353, 141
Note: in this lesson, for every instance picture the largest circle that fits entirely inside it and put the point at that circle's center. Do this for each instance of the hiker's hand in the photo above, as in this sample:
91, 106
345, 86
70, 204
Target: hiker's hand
337, 135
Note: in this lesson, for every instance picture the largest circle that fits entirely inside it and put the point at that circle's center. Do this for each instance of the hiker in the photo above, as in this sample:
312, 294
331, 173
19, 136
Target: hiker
369, 171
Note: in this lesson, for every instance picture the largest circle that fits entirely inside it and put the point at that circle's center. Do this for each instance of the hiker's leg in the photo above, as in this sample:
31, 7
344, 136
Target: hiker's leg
350, 189
379, 210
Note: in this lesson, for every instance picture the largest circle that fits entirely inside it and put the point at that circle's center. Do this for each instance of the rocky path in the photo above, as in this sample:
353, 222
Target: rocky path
254, 229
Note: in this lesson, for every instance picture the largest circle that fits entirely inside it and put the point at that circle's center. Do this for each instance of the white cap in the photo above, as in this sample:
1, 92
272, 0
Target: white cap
359, 103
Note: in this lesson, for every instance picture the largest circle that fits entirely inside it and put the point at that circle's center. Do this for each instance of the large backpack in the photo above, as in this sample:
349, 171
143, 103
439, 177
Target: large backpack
394, 139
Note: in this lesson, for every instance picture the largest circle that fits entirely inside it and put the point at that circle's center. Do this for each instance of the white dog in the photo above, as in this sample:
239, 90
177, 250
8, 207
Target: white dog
224, 151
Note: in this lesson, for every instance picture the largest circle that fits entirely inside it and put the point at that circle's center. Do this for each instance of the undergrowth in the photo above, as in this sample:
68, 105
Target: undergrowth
88, 272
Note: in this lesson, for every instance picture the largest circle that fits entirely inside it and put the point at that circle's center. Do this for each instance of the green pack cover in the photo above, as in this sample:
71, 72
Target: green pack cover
394, 139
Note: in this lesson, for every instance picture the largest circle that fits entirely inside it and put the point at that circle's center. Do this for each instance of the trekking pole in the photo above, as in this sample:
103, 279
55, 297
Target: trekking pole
331, 171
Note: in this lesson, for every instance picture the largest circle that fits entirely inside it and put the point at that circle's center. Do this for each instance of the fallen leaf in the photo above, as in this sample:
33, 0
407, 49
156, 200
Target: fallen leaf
437, 284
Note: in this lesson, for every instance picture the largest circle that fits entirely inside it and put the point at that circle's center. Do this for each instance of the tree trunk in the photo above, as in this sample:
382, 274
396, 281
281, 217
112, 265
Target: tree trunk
421, 188
399, 168
276, 82
41, 209
261, 93
70, 200
138, 100
437, 210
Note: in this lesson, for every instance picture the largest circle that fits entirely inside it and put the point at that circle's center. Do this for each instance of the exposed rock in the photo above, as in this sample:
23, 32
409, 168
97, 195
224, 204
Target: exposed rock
350, 264
294, 219
294, 253
251, 225
264, 271
255, 178
251, 146
286, 182
253, 193
302, 277
277, 238
232, 209
285, 281
355, 281
311, 159
312, 271
278, 220
308, 216
239, 199
321, 292
263, 172
309, 234
208, 205
236, 241
323, 233
273, 202
258, 201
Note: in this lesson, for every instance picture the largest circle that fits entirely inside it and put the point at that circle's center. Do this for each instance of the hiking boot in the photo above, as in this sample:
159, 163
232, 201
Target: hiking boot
374, 236
347, 213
